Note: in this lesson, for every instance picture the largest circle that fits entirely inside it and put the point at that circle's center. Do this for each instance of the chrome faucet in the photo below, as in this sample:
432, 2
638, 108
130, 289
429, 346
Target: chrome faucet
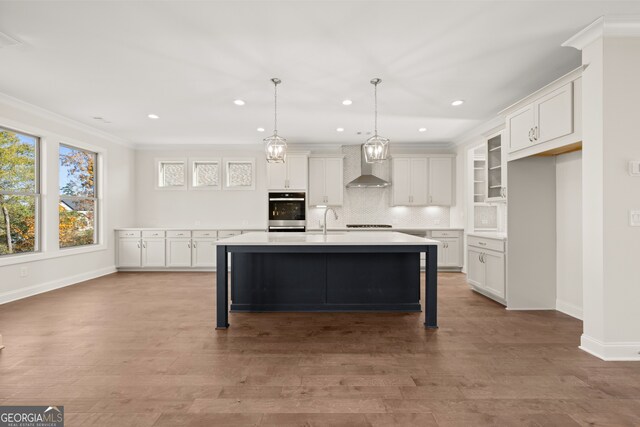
324, 225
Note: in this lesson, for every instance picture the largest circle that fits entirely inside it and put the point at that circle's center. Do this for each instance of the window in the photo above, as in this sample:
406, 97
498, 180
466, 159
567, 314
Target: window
77, 207
171, 174
205, 174
19, 192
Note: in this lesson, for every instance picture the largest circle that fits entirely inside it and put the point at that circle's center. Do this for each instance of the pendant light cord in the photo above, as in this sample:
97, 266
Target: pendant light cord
275, 109
375, 101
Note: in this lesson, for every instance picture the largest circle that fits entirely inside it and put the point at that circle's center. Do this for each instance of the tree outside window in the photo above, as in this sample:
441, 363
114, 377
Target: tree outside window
19, 192
78, 197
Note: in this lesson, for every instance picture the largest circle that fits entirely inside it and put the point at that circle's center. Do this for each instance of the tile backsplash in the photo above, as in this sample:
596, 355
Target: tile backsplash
372, 205
485, 217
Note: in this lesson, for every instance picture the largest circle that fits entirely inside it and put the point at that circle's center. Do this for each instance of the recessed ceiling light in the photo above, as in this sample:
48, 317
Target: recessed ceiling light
239, 102
422, 130
347, 102
153, 116
457, 102
260, 129
339, 129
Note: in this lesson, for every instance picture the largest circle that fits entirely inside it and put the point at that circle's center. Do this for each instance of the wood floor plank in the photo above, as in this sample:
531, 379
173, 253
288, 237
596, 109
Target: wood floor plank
140, 349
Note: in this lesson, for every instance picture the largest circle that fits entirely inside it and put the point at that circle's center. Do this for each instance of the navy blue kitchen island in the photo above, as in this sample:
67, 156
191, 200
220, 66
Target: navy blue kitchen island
302, 272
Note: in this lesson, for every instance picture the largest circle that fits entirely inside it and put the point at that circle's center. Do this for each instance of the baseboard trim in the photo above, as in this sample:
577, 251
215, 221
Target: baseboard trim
54, 284
610, 351
569, 309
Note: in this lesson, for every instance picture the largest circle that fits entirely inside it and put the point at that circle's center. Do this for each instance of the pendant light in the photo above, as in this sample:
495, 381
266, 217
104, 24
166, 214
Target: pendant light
274, 145
376, 149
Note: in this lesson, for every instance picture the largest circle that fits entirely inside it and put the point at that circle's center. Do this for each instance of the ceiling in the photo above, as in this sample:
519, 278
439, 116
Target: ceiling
188, 61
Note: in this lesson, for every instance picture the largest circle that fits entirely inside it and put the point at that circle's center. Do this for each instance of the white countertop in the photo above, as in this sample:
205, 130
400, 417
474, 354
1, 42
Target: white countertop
189, 228
489, 235
382, 238
425, 229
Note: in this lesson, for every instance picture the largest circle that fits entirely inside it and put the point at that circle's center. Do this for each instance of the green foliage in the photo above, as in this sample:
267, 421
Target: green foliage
17, 174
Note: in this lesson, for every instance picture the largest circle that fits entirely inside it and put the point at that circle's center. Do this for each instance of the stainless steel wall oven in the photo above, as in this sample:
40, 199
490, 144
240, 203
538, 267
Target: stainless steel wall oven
287, 212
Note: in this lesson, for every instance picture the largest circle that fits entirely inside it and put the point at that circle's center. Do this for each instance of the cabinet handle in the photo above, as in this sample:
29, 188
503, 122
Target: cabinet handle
195, 245
430, 199
536, 133
189, 245
144, 245
138, 245
482, 243
530, 137
480, 257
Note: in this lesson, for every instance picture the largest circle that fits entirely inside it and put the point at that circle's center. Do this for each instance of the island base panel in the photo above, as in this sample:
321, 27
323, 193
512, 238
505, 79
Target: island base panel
325, 282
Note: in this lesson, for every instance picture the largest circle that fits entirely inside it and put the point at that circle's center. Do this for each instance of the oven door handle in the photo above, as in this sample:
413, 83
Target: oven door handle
284, 199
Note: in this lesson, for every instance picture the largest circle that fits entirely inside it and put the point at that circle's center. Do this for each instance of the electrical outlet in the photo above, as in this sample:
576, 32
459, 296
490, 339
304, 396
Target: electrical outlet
436, 221
634, 168
197, 223
245, 222
485, 221
634, 218
24, 271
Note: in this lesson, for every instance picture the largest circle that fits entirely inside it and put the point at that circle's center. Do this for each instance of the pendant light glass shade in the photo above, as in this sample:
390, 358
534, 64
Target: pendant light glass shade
376, 149
275, 146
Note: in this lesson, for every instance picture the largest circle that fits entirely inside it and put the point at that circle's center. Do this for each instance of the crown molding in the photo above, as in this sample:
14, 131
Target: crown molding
605, 26
292, 147
60, 119
490, 126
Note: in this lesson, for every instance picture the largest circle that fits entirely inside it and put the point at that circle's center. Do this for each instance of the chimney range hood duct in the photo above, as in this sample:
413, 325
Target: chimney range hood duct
366, 178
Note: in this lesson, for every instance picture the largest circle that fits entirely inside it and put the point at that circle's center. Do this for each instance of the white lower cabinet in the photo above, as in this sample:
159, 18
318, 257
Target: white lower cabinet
153, 252
165, 249
450, 248
129, 254
449, 253
486, 268
178, 252
203, 253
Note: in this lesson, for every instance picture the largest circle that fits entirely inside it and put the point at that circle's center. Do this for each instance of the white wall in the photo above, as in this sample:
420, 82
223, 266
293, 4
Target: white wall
188, 208
54, 267
611, 271
569, 233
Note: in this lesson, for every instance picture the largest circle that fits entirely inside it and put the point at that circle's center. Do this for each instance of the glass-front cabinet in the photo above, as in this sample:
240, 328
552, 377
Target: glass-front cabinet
496, 178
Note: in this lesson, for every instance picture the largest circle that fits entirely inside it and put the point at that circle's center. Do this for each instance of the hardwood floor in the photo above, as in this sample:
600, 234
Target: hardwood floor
140, 349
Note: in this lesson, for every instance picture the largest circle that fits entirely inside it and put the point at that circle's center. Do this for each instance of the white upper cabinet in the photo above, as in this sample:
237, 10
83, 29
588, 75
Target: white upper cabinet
547, 121
400, 181
409, 181
440, 181
555, 114
496, 164
520, 127
421, 181
290, 175
326, 185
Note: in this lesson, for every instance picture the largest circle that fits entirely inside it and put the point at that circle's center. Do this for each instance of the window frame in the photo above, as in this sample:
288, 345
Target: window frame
192, 173
158, 171
97, 202
37, 195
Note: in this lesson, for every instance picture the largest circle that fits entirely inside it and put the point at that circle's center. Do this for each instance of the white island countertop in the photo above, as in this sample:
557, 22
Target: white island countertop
372, 238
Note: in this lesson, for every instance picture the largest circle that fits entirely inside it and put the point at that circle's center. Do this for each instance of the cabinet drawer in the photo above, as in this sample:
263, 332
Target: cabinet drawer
212, 234
129, 233
445, 233
484, 243
155, 233
179, 233
223, 234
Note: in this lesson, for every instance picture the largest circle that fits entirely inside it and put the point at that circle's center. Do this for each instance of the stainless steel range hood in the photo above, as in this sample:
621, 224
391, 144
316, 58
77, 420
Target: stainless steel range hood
366, 178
